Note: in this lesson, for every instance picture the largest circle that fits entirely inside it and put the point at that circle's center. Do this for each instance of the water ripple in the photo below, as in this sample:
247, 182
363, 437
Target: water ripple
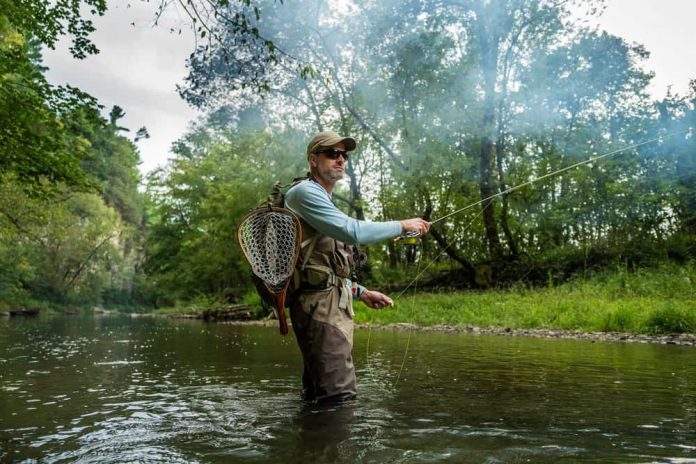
126, 390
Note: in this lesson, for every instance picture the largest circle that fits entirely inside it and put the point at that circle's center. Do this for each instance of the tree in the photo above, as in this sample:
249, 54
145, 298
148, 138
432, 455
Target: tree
67, 247
34, 143
48, 21
69, 205
228, 37
455, 101
215, 178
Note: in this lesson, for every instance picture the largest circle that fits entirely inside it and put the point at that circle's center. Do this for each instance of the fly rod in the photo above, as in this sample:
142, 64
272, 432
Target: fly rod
551, 174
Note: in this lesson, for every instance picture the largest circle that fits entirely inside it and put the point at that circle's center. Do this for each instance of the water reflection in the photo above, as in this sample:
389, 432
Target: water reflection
113, 389
324, 431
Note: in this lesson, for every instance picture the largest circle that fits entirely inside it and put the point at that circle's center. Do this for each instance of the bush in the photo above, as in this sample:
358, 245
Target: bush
671, 319
619, 320
253, 300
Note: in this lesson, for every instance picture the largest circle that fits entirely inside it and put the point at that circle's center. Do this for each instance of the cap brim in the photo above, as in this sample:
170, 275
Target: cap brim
349, 142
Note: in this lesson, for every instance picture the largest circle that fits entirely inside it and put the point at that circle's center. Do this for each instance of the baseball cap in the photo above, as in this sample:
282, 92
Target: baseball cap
328, 139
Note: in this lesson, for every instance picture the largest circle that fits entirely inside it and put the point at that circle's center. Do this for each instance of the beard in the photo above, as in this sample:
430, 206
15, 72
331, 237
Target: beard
332, 175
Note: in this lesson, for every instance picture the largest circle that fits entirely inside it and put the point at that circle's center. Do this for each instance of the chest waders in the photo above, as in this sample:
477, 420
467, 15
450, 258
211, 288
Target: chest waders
322, 316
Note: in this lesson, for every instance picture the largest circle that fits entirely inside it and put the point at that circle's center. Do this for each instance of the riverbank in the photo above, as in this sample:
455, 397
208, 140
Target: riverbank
684, 339
645, 306
237, 312
653, 302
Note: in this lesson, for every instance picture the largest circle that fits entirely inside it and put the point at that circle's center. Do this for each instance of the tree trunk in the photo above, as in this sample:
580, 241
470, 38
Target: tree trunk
489, 59
505, 201
469, 274
468, 267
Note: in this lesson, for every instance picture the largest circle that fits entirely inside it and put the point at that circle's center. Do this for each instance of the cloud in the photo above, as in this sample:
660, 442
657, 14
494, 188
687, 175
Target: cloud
666, 30
137, 68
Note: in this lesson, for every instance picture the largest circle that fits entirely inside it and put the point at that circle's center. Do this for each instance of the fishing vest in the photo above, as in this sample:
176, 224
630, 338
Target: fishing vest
319, 287
323, 261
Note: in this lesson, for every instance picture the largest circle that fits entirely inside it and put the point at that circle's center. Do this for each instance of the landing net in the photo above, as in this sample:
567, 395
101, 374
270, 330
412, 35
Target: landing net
270, 238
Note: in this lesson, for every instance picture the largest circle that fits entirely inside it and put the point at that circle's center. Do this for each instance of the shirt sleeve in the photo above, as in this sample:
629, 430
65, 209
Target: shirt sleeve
356, 289
312, 203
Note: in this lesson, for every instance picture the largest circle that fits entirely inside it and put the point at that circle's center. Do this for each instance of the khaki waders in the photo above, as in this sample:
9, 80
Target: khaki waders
322, 317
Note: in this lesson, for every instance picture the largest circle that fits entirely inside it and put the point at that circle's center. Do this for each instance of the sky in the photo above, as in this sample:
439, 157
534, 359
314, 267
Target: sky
139, 65
138, 68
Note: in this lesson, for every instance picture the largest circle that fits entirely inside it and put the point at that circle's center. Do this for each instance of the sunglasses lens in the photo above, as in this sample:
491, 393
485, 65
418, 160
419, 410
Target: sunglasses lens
334, 154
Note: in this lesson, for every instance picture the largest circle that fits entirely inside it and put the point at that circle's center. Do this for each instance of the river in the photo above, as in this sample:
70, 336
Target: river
116, 389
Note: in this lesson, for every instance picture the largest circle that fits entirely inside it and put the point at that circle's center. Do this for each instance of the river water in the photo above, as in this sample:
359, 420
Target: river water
114, 389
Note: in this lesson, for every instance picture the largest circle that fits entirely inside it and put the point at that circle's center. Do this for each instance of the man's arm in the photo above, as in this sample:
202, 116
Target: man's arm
375, 299
371, 298
311, 202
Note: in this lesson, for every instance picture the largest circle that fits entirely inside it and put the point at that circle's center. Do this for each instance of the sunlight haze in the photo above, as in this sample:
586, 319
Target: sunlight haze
139, 66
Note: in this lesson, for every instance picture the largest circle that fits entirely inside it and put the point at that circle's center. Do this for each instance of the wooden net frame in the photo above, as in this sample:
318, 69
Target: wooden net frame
270, 238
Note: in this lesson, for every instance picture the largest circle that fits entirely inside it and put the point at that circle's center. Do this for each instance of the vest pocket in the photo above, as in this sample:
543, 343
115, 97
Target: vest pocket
318, 277
342, 260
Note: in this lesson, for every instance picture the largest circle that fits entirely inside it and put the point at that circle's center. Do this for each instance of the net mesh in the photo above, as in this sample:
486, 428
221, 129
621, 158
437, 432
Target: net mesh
270, 239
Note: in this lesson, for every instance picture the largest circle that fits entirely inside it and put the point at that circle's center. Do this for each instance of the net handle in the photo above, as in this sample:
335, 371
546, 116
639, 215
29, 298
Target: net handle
279, 301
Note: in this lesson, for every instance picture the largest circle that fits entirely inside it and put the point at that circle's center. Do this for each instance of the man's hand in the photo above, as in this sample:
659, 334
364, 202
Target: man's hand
418, 225
375, 299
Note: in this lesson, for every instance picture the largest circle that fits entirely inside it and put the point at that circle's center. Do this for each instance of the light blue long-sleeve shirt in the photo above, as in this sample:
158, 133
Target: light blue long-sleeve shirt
311, 202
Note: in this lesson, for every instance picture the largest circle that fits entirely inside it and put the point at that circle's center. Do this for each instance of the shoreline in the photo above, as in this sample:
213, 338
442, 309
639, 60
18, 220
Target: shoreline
680, 339
683, 339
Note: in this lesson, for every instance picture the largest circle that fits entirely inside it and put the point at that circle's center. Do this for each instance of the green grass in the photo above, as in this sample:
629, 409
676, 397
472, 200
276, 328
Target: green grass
168, 310
655, 301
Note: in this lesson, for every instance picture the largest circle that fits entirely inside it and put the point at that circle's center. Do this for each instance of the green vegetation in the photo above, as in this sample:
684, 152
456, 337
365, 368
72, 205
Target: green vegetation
201, 306
37, 143
653, 301
451, 102
70, 213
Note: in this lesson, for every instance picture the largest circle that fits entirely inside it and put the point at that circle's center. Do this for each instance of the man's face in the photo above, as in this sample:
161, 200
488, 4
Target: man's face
331, 170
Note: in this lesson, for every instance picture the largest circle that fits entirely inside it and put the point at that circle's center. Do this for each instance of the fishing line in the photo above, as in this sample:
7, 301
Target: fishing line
559, 171
415, 281
488, 202
410, 332
516, 187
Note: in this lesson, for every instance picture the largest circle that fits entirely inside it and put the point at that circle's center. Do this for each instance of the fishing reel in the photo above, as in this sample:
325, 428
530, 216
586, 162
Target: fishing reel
409, 238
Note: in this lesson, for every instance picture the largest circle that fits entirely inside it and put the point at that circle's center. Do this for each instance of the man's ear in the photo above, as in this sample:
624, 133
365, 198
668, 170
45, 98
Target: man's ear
313, 161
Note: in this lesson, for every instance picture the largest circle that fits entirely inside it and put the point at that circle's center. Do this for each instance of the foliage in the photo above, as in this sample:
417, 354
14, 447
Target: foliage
228, 38
655, 301
36, 143
666, 318
451, 102
197, 202
66, 247
70, 212
48, 21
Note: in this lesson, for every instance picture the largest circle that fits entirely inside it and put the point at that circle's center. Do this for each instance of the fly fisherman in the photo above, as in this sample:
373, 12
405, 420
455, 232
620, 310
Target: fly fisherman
321, 311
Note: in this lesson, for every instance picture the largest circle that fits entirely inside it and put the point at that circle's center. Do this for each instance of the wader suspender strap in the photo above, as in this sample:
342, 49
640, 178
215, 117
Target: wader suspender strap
311, 242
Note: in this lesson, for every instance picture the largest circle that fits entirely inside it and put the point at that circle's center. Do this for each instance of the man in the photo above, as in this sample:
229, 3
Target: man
322, 313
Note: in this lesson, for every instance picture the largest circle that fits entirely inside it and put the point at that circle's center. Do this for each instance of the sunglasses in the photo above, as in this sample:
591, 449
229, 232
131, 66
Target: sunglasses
334, 154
